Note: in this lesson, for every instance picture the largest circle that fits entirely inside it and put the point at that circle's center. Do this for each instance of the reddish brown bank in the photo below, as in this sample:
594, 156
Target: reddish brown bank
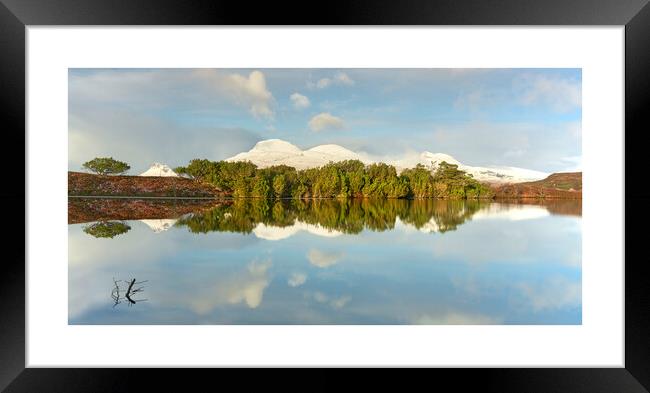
558, 185
86, 184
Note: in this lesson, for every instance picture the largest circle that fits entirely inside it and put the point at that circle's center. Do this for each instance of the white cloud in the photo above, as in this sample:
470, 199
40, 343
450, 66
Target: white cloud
140, 139
323, 83
524, 145
325, 121
340, 79
248, 91
324, 259
561, 95
199, 89
119, 114
343, 79
552, 92
299, 101
297, 279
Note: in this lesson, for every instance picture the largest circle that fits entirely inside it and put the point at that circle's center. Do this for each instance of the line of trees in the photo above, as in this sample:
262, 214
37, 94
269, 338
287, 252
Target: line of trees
345, 179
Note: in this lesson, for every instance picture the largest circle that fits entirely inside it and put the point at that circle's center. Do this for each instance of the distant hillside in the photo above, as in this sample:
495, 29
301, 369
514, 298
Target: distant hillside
557, 185
86, 184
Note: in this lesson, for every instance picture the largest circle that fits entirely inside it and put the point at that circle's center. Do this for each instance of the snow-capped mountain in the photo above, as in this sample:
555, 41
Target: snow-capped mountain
278, 152
158, 169
504, 174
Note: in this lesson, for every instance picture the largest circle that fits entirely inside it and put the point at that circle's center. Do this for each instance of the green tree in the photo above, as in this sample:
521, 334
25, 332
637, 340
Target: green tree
106, 166
260, 187
181, 170
241, 188
279, 185
328, 182
450, 182
397, 187
300, 189
381, 181
356, 181
353, 177
420, 181
345, 179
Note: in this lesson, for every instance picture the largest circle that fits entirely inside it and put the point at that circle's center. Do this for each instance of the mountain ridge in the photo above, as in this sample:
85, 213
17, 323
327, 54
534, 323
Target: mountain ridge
272, 152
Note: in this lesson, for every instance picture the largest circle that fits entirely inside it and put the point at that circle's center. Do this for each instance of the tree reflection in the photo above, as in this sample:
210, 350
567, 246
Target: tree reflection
127, 292
344, 215
243, 215
107, 229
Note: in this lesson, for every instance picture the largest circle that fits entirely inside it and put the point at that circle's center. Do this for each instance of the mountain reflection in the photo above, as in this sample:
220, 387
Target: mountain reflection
350, 216
325, 262
329, 217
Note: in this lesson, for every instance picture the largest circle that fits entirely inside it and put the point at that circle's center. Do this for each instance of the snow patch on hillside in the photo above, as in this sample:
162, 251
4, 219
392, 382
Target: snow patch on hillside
158, 169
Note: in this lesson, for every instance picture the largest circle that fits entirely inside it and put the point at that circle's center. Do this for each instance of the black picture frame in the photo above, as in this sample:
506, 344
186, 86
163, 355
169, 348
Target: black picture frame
15, 15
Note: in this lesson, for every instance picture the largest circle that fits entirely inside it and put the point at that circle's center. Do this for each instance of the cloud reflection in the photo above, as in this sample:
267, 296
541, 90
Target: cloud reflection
247, 287
529, 272
324, 259
553, 293
297, 279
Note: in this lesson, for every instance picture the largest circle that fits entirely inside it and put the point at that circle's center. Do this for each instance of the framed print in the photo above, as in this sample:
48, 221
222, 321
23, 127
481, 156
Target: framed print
199, 194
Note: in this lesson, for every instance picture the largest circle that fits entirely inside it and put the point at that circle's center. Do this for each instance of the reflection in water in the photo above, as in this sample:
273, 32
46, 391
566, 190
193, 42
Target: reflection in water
108, 229
328, 216
127, 291
160, 225
100, 209
252, 261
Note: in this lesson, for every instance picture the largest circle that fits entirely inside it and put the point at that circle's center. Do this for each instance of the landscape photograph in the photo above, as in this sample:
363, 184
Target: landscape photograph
304, 196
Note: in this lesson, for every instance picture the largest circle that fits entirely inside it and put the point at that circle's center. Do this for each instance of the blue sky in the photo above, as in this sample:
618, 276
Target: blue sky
529, 118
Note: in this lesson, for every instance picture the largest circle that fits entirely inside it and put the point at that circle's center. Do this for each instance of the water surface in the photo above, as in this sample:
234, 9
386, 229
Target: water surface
324, 262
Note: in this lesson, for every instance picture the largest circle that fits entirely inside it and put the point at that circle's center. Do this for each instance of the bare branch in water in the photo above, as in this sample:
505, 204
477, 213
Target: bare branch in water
131, 290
